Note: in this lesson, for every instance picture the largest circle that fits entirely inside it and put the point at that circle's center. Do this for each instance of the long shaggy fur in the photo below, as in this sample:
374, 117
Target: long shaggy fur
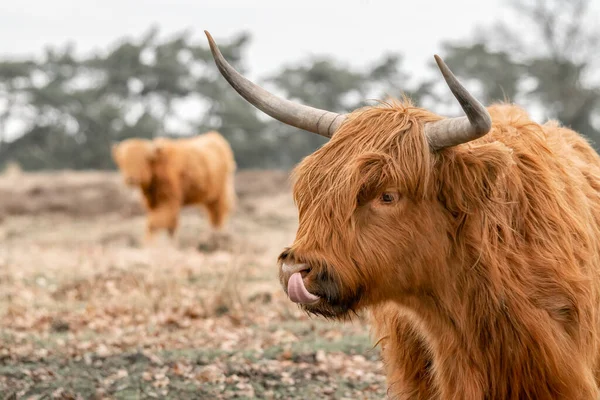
483, 278
173, 173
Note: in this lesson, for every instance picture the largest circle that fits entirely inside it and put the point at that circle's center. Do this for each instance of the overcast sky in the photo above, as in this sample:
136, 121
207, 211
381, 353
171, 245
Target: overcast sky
354, 31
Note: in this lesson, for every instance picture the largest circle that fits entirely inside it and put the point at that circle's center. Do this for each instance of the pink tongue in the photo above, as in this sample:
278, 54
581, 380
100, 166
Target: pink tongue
297, 291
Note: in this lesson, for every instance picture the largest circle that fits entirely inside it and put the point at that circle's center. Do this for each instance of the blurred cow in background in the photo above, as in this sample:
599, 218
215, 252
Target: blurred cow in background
173, 173
475, 241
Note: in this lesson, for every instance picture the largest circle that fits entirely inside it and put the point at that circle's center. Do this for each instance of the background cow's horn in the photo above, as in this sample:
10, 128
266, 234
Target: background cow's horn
304, 117
453, 131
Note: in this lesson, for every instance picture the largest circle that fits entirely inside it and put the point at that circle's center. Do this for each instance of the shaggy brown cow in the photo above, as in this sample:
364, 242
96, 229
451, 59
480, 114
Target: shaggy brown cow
173, 173
474, 241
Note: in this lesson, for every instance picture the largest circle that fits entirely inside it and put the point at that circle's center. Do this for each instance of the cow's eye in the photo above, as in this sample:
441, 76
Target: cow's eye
388, 197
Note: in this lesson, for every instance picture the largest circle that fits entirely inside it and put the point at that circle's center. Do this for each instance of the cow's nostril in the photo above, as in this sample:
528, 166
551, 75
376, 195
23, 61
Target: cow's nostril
305, 272
286, 255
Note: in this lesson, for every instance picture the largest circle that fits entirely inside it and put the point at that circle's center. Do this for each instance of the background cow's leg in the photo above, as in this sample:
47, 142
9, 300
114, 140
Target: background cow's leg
219, 210
165, 217
172, 225
405, 355
150, 230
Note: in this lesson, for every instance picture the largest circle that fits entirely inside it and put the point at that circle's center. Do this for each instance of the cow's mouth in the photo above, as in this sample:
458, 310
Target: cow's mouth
317, 291
297, 290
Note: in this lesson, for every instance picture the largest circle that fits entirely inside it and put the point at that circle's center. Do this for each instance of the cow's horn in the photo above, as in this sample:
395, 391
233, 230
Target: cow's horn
304, 117
453, 131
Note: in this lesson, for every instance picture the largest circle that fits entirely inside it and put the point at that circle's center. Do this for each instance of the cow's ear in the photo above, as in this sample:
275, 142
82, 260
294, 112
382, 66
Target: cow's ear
473, 176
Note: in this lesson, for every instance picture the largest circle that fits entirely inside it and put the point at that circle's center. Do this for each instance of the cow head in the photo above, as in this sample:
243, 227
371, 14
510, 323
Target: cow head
374, 210
133, 158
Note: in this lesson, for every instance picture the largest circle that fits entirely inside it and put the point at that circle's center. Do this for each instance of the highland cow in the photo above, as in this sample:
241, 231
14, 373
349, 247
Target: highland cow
173, 173
473, 240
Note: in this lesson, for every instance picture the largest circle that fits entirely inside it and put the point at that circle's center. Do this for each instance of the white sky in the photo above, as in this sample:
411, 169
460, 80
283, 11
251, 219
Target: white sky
354, 31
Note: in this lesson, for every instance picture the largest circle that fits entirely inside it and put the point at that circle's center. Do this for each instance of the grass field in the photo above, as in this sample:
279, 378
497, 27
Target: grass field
87, 312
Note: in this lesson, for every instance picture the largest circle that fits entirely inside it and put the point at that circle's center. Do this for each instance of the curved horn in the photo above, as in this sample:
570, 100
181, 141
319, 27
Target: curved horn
314, 120
453, 131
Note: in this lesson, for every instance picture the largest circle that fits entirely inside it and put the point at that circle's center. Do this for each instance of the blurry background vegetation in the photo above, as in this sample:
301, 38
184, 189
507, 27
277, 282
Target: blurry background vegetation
73, 108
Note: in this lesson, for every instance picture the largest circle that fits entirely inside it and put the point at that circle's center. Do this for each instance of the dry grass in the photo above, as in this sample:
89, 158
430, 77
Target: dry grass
86, 312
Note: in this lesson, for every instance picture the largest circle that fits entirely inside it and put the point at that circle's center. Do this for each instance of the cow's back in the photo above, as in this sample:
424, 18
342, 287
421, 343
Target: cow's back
558, 175
208, 167
568, 157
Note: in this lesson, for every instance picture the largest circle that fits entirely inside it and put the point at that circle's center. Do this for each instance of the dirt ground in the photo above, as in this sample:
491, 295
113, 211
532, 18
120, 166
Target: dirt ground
86, 312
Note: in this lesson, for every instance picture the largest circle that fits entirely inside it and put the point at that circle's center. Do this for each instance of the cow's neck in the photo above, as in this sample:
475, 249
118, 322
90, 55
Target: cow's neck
478, 328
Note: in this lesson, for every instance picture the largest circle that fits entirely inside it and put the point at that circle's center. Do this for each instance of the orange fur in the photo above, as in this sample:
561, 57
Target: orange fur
482, 274
173, 173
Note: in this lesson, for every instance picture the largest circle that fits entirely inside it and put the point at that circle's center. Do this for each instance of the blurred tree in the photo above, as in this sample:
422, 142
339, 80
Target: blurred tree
320, 83
15, 76
498, 74
75, 108
230, 114
329, 85
551, 68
